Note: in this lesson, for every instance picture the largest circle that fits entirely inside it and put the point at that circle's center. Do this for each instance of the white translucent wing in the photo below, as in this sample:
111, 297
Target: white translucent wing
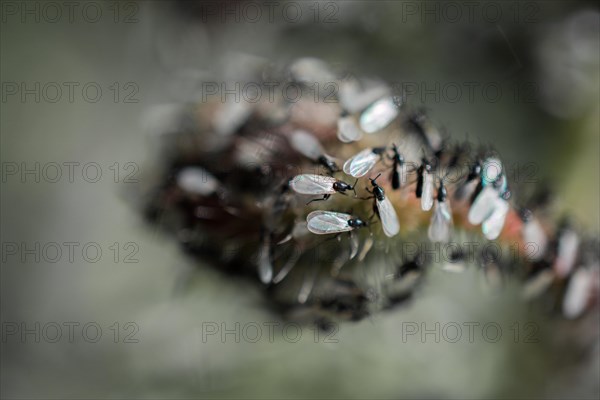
354, 243
483, 205
265, 268
312, 184
300, 230
403, 174
441, 223
492, 225
454, 267
361, 163
306, 144
348, 131
309, 70
355, 96
230, 116
427, 194
567, 253
535, 240
389, 219
378, 115
578, 292
433, 135
197, 180
324, 222
366, 247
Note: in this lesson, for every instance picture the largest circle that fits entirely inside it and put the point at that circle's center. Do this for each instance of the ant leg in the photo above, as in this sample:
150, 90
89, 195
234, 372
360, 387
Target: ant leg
354, 187
325, 197
367, 198
373, 217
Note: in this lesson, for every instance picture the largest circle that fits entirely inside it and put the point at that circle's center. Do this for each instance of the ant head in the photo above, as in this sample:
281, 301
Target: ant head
525, 213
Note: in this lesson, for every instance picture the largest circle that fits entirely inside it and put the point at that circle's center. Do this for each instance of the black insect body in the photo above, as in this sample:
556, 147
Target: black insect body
328, 164
320, 184
421, 174
398, 176
384, 209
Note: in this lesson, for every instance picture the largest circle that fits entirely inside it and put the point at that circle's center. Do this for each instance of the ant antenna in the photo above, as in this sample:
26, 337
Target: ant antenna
373, 180
354, 187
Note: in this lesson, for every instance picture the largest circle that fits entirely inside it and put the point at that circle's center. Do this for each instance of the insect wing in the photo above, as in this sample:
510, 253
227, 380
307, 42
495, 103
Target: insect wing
356, 95
324, 222
354, 243
230, 116
306, 144
361, 163
433, 136
577, 294
427, 195
441, 222
313, 184
348, 131
535, 238
265, 268
568, 245
483, 206
492, 226
197, 180
378, 115
389, 219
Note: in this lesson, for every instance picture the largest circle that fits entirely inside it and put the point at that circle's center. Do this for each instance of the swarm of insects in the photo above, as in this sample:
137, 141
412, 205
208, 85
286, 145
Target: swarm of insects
328, 199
